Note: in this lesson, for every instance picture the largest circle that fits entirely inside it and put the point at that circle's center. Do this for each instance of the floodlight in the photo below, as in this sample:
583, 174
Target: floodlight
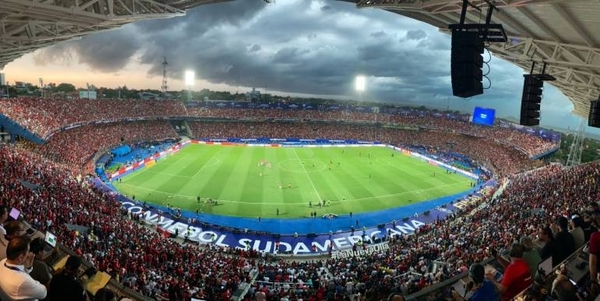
360, 83
190, 77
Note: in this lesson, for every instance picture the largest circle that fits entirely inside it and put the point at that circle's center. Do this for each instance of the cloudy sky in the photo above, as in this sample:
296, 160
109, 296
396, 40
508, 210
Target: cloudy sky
294, 47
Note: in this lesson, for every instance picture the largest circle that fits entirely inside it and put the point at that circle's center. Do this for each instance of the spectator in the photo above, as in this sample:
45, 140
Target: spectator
397, 296
549, 249
516, 277
15, 282
577, 232
65, 285
41, 271
594, 263
13, 229
565, 244
588, 226
3, 218
530, 254
482, 289
105, 294
260, 296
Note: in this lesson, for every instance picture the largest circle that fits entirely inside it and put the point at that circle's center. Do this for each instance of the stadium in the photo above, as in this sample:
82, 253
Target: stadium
198, 200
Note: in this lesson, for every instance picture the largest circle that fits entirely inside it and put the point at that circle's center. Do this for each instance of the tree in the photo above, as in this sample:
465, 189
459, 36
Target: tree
65, 87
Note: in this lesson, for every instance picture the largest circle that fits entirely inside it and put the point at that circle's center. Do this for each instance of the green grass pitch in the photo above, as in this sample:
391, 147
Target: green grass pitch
351, 179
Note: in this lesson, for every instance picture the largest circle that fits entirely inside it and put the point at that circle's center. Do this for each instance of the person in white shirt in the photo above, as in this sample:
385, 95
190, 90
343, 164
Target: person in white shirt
15, 282
576, 226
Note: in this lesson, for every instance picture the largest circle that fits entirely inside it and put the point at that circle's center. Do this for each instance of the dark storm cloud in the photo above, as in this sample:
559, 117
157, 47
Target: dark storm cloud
106, 52
418, 34
111, 51
254, 48
295, 47
378, 34
199, 20
287, 55
298, 46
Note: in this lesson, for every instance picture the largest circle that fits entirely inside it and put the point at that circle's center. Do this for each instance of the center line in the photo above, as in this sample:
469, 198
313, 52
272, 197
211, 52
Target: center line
309, 179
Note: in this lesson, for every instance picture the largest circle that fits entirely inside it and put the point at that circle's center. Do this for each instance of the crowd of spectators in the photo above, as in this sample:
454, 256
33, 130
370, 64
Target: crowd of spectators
76, 147
143, 260
47, 116
532, 201
531, 145
139, 257
44, 116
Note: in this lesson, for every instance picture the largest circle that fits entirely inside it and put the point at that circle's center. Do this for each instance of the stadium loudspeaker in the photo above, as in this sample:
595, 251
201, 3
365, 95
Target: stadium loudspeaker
594, 116
531, 100
465, 64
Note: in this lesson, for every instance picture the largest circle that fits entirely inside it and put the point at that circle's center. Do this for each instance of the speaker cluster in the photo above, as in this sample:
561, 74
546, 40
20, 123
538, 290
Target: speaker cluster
466, 63
531, 100
594, 116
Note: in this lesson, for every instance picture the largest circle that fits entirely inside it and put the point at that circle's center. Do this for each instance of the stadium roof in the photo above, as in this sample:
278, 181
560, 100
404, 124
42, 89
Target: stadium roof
27, 25
562, 33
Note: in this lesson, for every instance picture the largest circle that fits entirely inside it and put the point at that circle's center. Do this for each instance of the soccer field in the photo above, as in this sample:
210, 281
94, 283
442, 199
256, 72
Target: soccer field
289, 182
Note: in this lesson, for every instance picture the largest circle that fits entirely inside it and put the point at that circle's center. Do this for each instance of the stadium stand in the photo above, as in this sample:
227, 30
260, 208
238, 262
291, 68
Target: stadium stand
142, 260
45, 117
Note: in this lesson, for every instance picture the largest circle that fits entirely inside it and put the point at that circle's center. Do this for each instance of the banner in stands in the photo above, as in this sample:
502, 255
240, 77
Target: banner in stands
301, 245
339, 244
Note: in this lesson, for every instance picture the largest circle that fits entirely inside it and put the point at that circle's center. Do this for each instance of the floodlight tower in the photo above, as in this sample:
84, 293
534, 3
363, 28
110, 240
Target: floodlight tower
359, 85
164, 86
577, 145
42, 87
190, 78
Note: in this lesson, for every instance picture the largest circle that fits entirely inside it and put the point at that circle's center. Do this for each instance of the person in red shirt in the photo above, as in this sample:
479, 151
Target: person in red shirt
593, 257
516, 277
